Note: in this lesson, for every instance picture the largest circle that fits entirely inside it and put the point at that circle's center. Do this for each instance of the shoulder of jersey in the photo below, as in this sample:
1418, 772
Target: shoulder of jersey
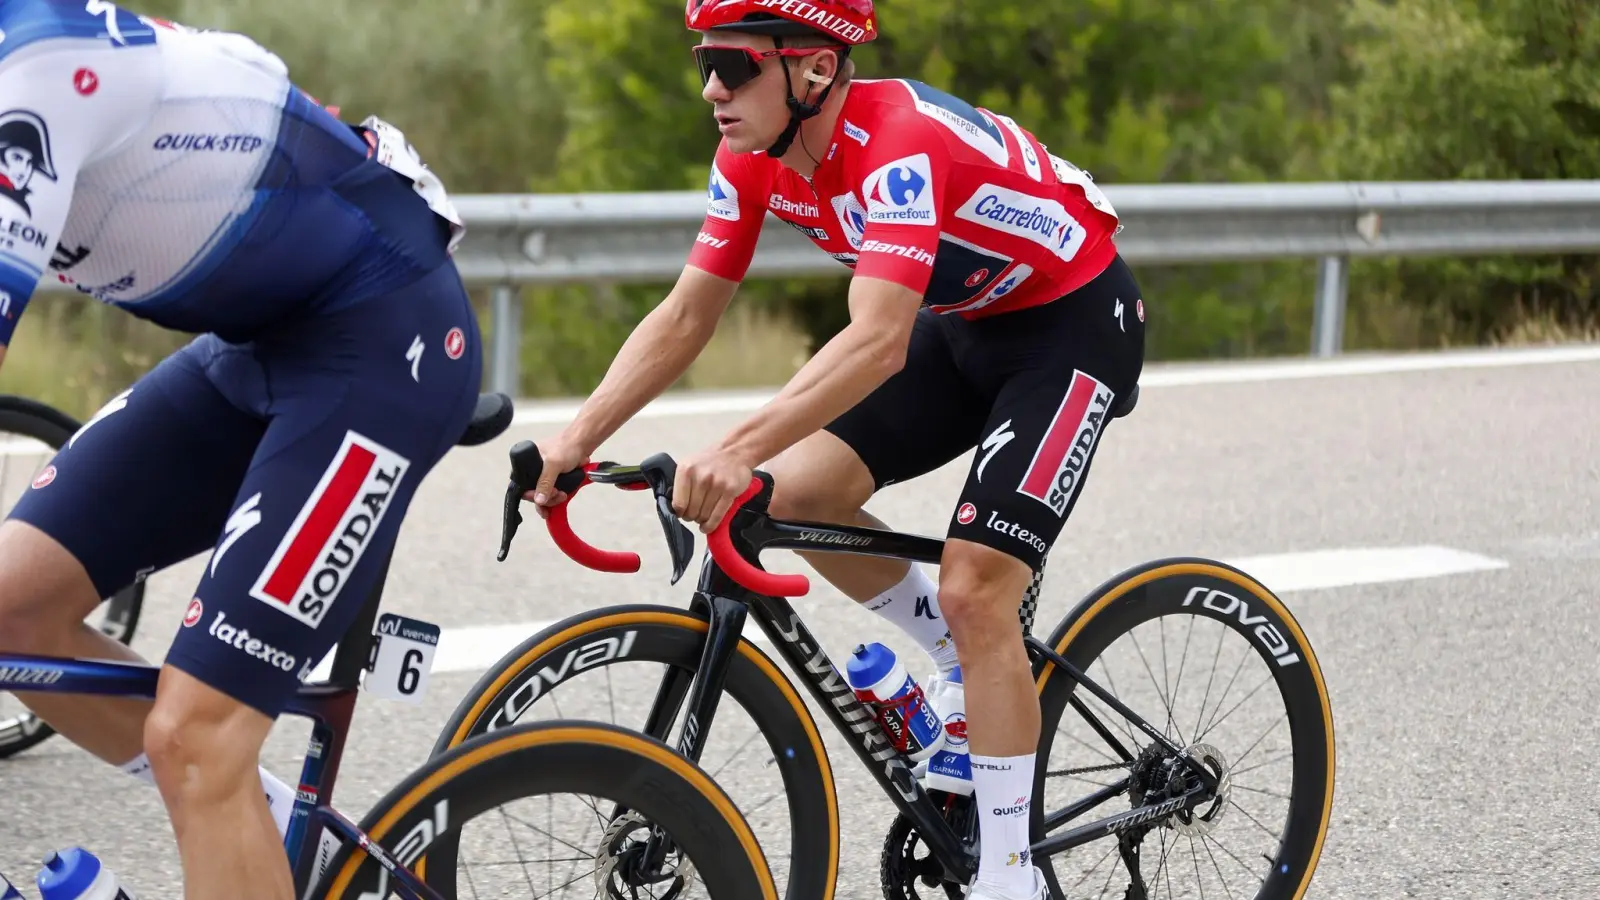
27, 22
972, 135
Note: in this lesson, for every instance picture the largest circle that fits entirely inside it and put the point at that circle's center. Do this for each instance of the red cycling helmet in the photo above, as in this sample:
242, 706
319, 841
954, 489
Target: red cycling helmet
849, 22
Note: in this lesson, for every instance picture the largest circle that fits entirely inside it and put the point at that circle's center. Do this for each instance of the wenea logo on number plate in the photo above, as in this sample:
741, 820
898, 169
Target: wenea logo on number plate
333, 530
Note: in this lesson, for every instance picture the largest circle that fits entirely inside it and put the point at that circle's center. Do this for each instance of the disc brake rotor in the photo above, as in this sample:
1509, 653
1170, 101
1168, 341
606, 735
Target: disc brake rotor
629, 860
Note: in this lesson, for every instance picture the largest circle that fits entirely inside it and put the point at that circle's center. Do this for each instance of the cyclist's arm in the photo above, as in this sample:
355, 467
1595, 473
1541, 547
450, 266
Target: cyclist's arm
657, 353
859, 358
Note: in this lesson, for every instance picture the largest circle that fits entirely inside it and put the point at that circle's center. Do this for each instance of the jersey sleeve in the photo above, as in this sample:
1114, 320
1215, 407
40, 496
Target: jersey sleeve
736, 205
61, 106
905, 168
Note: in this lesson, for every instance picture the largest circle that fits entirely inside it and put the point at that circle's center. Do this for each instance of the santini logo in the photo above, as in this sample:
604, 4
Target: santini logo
916, 253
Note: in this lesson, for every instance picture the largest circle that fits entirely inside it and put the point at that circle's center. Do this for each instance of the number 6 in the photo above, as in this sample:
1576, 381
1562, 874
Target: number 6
408, 670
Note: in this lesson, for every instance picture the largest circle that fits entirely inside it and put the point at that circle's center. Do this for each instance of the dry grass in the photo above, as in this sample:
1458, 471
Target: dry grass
751, 349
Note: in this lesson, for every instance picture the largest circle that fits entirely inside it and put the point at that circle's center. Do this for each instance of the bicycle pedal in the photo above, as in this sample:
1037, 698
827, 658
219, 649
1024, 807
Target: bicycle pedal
401, 658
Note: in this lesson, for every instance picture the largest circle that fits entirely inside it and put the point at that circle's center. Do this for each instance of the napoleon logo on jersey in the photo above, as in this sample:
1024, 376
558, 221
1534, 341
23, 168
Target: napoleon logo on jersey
24, 154
332, 531
901, 193
722, 198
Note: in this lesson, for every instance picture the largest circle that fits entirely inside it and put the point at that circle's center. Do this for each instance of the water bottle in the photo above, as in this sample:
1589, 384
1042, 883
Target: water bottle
879, 679
951, 768
77, 874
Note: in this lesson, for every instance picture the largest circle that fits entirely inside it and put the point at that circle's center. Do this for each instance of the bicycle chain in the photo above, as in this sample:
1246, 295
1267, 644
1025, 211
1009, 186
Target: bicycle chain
1052, 773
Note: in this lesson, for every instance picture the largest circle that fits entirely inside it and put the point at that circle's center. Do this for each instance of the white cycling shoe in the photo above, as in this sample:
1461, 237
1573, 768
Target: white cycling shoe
1040, 890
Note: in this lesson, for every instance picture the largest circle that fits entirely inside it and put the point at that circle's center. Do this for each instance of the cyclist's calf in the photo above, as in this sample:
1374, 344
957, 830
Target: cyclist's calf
979, 591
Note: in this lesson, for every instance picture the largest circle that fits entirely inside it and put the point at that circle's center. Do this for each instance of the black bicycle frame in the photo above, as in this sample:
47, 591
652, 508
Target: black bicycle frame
726, 605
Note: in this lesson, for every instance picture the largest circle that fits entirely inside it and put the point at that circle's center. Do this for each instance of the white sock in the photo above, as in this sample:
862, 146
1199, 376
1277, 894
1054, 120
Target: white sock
280, 797
913, 607
1003, 788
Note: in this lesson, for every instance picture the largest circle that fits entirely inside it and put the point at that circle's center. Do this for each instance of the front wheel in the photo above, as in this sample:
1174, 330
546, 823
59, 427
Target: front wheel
1215, 661
713, 853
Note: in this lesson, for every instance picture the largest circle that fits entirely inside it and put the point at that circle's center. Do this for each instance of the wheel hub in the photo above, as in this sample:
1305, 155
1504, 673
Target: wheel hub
1202, 819
632, 856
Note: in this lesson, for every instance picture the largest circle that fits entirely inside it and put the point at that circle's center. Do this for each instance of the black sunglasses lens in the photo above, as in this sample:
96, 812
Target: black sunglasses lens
733, 66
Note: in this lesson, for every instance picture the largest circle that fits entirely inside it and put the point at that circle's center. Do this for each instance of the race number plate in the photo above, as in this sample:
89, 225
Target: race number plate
394, 151
402, 657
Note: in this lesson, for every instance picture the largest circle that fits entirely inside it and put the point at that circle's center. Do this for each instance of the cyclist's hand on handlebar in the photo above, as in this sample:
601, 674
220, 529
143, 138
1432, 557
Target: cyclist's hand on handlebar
559, 456
706, 486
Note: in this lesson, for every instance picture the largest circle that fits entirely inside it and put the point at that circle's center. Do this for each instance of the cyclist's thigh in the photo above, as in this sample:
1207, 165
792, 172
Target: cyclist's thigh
1077, 361
363, 403
147, 481
922, 417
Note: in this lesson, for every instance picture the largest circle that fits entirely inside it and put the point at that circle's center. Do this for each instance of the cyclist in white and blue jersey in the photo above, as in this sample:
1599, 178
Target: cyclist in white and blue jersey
180, 175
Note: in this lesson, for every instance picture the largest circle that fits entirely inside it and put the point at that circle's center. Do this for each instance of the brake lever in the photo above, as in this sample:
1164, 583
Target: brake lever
526, 467
661, 471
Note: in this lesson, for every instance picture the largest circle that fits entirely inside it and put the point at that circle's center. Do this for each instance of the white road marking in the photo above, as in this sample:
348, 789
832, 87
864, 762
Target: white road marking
696, 403
474, 648
1323, 569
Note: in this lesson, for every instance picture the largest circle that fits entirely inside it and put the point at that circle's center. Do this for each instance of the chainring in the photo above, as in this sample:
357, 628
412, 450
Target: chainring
906, 876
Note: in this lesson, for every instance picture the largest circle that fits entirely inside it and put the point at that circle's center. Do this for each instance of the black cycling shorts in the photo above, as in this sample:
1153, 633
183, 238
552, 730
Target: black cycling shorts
1032, 390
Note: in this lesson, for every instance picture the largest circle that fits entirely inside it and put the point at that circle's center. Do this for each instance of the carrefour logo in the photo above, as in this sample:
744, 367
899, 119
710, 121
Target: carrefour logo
722, 199
901, 192
1045, 222
852, 218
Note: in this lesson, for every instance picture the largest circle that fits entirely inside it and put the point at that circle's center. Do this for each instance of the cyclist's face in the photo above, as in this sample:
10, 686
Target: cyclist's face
752, 115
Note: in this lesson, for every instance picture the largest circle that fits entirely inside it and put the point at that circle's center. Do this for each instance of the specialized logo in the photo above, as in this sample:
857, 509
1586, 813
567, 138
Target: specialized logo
782, 204
240, 639
1116, 312
852, 217
916, 253
85, 82
246, 517
114, 405
901, 193
241, 144
821, 18
710, 241
722, 198
191, 616
455, 343
856, 133
414, 356
44, 478
966, 513
24, 155
991, 445
1063, 455
1045, 222
332, 531
1012, 529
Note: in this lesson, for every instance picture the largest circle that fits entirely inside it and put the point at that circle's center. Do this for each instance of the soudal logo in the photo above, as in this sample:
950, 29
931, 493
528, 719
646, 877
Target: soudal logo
780, 203
916, 253
821, 18
210, 143
1059, 462
240, 639
332, 531
1045, 222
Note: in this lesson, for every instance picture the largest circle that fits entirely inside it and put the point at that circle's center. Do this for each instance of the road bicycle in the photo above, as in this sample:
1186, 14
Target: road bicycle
661, 793
1183, 790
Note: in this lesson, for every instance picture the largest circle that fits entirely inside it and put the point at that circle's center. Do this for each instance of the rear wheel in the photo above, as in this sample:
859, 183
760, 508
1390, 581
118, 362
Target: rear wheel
30, 433
633, 666
1212, 659
713, 855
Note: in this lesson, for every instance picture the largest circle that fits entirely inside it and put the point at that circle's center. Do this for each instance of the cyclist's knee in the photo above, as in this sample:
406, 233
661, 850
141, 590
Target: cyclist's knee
980, 589
820, 479
44, 591
203, 745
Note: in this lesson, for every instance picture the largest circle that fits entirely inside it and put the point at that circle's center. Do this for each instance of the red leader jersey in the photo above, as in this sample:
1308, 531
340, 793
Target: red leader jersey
920, 188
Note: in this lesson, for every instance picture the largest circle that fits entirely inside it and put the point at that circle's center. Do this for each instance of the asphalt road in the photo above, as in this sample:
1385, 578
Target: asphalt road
1463, 704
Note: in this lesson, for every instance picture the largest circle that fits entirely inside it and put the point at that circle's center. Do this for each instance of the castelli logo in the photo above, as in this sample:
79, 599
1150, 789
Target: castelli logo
455, 343
966, 513
44, 478
192, 615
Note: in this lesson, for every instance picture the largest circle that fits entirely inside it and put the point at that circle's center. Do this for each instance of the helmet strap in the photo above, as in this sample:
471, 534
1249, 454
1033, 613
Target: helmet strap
799, 112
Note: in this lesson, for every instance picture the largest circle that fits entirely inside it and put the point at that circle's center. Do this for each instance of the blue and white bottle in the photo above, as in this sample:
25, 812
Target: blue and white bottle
879, 678
950, 769
77, 874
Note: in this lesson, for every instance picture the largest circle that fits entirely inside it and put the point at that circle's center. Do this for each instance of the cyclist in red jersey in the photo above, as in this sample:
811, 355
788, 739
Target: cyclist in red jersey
989, 310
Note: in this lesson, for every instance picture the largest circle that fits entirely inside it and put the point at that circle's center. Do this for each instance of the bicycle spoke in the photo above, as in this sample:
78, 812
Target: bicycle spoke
1112, 684
1164, 701
1096, 867
1207, 837
1246, 813
1177, 685
1198, 883
1246, 754
1221, 633
748, 742
1216, 866
1243, 658
1099, 750
1236, 706
1254, 790
1260, 765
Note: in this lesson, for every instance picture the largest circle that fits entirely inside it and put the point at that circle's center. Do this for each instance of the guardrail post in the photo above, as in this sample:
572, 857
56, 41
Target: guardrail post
1327, 324
506, 323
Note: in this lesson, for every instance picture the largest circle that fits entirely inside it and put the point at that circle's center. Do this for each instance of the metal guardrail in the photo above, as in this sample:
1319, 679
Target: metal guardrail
516, 239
